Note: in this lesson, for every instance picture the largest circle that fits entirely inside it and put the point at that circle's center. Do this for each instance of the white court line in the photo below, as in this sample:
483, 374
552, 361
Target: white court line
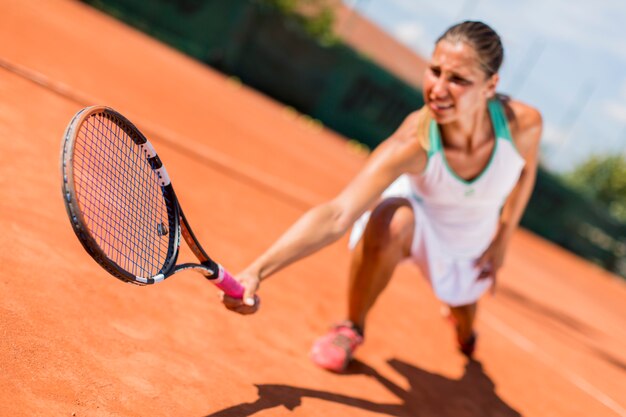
530, 347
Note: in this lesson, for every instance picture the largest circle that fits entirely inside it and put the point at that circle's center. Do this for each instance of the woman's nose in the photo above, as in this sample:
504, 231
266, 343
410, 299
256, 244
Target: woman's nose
440, 88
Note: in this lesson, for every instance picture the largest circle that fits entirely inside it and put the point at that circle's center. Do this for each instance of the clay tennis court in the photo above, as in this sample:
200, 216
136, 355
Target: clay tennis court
76, 342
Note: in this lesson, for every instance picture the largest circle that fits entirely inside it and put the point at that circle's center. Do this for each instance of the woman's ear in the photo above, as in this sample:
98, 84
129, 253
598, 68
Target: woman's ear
492, 84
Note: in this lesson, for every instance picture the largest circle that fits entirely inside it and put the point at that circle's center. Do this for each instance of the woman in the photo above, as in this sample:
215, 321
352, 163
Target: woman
454, 179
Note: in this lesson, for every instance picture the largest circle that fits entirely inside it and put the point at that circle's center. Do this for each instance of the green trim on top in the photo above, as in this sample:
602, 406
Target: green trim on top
499, 121
434, 138
479, 176
501, 130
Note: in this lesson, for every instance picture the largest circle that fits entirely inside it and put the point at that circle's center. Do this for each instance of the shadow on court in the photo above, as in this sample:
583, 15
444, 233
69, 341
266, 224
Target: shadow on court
428, 395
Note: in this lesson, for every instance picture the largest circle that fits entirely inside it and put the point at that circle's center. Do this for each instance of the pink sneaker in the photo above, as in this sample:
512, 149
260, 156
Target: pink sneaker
334, 350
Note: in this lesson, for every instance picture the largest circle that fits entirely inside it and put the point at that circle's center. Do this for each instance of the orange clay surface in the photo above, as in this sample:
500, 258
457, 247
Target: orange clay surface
76, 342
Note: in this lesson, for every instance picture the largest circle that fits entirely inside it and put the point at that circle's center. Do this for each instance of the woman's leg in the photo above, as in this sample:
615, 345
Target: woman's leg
464, 320
385, 242
463, 317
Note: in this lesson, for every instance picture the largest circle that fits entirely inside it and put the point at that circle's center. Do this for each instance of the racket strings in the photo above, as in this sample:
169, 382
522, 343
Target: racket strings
108, 226
144, 242
142, 239
119, 196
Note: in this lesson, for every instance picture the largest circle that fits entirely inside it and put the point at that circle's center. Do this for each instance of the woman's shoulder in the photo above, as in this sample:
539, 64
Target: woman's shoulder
412, 127
526, 116
525, 122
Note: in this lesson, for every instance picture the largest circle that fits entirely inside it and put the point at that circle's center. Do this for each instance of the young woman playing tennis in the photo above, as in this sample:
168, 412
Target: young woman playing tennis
448, 189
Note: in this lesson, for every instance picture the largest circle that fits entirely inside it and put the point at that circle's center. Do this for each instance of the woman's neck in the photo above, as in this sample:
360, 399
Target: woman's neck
467, 134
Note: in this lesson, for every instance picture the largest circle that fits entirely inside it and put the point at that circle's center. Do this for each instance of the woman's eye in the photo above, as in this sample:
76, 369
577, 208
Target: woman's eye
460, 81
436, 71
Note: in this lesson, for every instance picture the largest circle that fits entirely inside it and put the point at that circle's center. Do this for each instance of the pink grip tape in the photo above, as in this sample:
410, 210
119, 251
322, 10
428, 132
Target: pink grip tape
228, 284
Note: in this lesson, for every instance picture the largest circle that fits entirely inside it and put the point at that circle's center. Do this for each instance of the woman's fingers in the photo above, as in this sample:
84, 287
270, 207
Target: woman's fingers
239, 306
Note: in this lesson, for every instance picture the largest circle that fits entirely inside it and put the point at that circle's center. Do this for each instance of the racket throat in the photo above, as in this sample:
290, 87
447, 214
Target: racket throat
209, 273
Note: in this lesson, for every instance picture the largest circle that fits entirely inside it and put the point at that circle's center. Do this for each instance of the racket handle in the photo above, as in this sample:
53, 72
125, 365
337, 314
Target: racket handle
228, 284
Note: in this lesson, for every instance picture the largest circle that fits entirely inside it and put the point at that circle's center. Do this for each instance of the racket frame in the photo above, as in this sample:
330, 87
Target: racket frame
177, 222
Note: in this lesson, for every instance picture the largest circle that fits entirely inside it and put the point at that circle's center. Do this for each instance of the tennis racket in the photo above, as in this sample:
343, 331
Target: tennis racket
122, 205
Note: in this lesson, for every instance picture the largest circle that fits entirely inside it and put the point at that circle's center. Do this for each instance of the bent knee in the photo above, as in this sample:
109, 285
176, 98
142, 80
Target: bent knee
391, 225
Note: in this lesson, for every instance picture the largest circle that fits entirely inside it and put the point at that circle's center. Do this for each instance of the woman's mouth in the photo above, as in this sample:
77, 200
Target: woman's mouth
439, 107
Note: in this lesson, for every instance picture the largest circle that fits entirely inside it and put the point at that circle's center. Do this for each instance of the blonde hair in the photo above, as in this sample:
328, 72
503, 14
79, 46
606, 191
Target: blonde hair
424, 118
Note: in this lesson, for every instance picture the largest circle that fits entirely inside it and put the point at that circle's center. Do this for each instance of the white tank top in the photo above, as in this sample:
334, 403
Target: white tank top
464, 214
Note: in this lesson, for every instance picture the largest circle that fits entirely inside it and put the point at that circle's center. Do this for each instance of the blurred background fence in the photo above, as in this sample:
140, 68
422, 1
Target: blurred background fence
329, 81
254, 41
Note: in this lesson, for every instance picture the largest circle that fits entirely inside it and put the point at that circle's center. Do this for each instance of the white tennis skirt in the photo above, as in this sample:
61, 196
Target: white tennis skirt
454, 281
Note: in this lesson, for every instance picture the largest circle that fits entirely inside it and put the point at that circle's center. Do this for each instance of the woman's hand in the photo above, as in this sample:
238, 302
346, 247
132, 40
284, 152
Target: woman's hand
492, 259
250, 302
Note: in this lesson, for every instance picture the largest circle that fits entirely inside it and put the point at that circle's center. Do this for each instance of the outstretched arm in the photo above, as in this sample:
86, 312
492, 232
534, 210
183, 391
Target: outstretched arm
327, 222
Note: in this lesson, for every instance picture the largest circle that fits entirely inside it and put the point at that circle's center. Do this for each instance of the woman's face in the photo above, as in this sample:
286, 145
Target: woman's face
455, 85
